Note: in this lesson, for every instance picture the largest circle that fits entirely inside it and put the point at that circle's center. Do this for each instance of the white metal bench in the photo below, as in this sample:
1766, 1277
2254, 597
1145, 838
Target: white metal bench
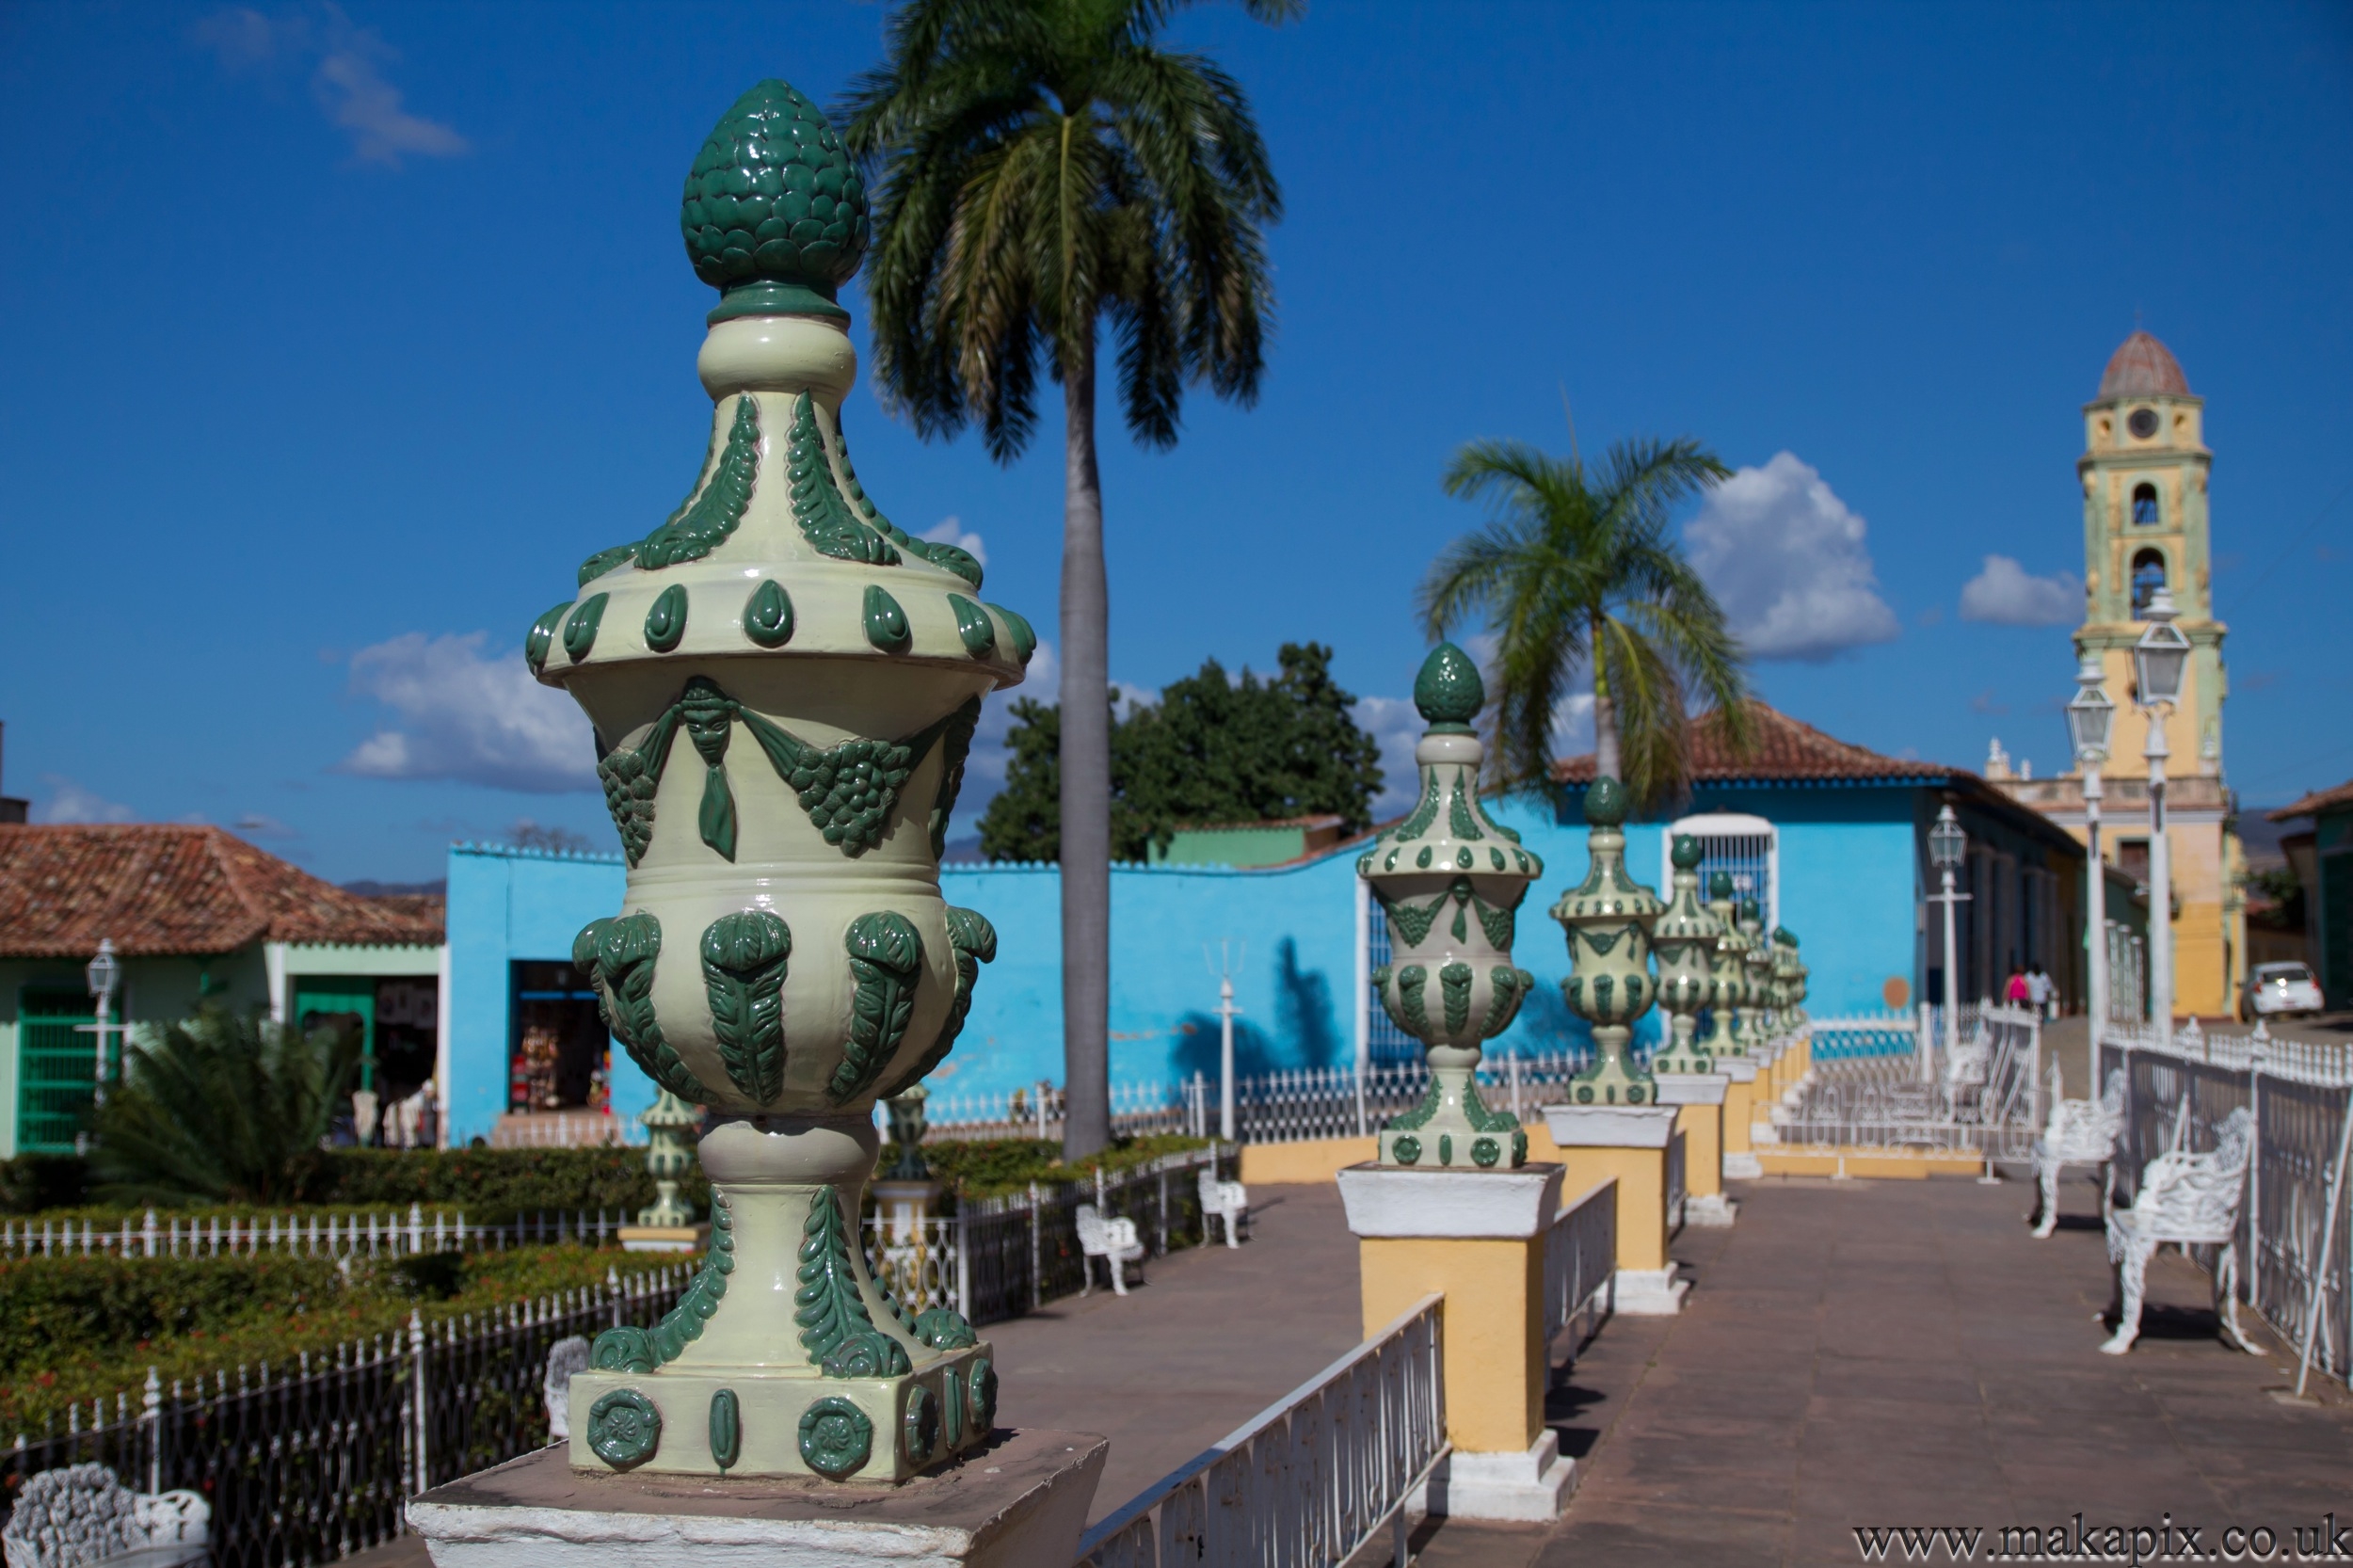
1224, 1200
2191, 1199
83, 1514
2080, 1133
1114, 1241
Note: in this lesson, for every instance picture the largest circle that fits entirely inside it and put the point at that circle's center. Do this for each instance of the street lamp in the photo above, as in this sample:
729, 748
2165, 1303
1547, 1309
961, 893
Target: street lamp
1948, 845
2090, 717
2159, 659
102, 973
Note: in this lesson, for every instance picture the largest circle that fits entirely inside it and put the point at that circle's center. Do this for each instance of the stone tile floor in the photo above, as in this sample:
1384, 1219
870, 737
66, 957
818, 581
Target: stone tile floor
1903, 1354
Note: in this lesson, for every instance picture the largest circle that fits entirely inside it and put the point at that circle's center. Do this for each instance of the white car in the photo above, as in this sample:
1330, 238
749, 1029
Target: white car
2278, 989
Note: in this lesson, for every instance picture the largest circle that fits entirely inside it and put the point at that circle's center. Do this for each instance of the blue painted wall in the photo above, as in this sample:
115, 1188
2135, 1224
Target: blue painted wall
1853, 864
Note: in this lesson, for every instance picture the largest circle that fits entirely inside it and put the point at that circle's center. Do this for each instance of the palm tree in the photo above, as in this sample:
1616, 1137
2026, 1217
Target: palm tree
1042, 168
222, 1108
1577, 573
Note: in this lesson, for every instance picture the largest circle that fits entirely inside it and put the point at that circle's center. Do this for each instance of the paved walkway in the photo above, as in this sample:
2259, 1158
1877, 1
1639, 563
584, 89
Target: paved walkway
1903, 1354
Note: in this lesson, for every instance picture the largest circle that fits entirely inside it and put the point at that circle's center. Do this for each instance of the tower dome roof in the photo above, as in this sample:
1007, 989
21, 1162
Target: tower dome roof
2143, 367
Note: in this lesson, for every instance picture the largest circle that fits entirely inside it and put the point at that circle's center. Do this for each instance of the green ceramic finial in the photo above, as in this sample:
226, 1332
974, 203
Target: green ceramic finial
1719, 887
1604, 802
775, 212
1686, 854
1449, 691
1780, 934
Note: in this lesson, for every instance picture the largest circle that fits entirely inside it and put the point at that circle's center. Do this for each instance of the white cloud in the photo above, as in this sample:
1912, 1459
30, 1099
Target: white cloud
952, 530
462, 716
347, 81
2005, 594
1787, 560
257, 824
68, 802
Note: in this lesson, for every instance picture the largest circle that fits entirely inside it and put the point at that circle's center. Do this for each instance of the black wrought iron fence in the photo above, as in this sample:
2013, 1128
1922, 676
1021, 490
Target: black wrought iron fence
308, 1462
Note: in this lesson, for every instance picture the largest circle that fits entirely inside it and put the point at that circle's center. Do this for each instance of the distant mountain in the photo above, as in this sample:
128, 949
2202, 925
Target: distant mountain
438, 888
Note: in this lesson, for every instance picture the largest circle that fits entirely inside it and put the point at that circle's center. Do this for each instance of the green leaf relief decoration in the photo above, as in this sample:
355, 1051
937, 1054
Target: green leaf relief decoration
628, 786
1498, 921
973, 942
1024, 639
1380, 978
768, 615
1508, 989
835, 1327
973, 626
1410, 1015
580, 631
944, 1328
847, 790
1454, 983
605, 560
708, 716
703, 521
1482, 1118
826, 521
726, 1428
1412, 924
886, 623
617, 954
939, 553
1419, 1115
744, 966
542, 636
638, 1349
1461, 821
1602, 941
955, 746
886, 958
1424, 814
665, 623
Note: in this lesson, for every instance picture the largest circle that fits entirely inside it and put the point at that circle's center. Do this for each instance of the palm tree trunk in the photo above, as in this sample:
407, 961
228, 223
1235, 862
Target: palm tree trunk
1086, 775
1604, 718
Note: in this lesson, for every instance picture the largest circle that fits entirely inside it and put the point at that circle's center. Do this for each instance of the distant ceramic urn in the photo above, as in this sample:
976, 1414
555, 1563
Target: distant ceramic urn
1682, 938
1757, 973
1726, 971
1607, 918
1450, 880
783, 685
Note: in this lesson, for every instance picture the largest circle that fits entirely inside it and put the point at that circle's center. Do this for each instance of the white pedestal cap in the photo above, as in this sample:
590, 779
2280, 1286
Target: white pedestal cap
1623, 1127
1739, 1070
1693, 1088
1451, 1204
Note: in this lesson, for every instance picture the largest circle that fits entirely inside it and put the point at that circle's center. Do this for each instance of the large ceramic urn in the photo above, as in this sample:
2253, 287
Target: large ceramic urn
1727, 975
1607, 919
1450, 880
1682, 938
783, 685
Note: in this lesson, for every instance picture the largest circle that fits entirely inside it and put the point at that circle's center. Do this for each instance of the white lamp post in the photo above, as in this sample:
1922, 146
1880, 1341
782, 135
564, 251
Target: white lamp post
2159, 659
1947, 843
102, 973
1227, 1012
2090, 716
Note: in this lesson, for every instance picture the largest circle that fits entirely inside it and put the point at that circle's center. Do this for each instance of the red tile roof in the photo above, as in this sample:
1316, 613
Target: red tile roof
2143, 367
1786, 750
159, 889
2315, 803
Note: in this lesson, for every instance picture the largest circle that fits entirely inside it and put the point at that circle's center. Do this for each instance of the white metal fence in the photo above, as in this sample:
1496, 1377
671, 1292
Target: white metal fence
1581, 1264
1986, 1097
1310, 1480
2298, 1092
304, 1235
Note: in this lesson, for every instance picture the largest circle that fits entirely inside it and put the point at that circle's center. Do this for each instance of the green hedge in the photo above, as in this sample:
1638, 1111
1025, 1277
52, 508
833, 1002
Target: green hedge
76, 1329
491, 1186
987, 1168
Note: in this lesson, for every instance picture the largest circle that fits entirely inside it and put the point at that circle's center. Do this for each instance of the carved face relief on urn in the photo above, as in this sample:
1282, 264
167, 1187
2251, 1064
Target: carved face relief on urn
1450, 880
783, 685
1607, 919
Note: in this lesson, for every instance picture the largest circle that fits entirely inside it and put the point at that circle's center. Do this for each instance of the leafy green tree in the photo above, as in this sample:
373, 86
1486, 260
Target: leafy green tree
1577, 573
1213, 749
1044, 168
222, 1108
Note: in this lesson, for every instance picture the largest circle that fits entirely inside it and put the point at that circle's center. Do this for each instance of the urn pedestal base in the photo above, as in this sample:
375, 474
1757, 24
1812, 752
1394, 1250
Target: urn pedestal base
1019, 1501
1627, 1143
664, 1238
1476, 1238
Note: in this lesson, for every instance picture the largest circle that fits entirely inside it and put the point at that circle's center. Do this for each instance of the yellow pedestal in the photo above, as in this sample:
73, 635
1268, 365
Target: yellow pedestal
1738, 1109
1629, 1143
1476, 1238
1702, 1129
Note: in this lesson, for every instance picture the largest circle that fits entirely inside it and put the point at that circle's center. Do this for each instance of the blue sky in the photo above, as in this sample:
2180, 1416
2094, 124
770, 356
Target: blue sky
335, 336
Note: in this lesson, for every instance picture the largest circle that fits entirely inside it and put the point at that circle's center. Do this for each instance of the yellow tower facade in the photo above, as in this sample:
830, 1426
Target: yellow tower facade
2147, 527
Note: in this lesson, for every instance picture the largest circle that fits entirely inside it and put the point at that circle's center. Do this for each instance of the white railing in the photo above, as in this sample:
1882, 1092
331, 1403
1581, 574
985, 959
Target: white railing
1581, 1265
1037, 1111
565, 1129
1986, 1097
305, 1235
1308, 1481
2296, 1265
1866, 1034
919, 1264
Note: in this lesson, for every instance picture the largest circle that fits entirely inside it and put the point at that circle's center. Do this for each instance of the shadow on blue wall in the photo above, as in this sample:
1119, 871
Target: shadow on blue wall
1306, 1033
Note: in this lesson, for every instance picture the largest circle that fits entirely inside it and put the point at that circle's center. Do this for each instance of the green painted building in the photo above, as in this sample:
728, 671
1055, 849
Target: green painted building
1250, 843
